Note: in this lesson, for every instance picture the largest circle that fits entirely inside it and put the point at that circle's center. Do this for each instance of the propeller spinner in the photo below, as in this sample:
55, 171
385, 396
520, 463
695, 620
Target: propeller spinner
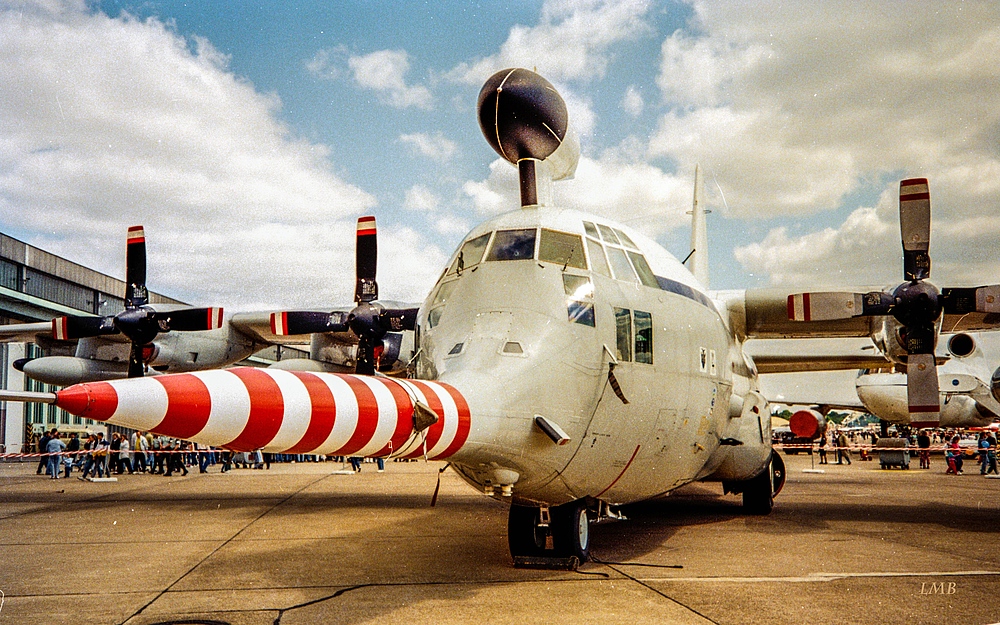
138, 322
916, 303
370, 320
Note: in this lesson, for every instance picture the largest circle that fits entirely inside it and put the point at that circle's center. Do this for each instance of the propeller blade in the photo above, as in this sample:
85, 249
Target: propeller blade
290, 323
136, 366
135, 268
922, 386
72, 328
960, 301
398, 319
915, 227
368, 352
366, 259
190, 319
832, 305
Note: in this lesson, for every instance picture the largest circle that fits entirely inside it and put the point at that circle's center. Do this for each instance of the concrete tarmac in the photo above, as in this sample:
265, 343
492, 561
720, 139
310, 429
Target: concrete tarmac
301, 543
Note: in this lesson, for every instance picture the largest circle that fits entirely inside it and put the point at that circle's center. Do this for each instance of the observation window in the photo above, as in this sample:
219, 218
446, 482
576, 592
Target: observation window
513, 347
434, 316
579, 299
643, 337
623, 335
513, 245
562, 249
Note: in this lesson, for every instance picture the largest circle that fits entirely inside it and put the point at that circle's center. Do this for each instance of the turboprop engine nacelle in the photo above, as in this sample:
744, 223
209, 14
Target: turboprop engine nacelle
807, 423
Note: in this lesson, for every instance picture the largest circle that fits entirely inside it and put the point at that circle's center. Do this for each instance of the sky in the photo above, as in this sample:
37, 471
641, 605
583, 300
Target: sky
248, 137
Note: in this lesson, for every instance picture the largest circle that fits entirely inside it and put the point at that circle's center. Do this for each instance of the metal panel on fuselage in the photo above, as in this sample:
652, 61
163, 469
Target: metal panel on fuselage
677, 405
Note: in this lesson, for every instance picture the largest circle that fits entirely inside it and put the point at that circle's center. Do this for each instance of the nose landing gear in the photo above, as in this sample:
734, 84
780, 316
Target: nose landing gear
542, 537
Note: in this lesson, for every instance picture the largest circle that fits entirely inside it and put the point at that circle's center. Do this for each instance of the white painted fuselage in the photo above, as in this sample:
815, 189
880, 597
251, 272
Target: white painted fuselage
529, 324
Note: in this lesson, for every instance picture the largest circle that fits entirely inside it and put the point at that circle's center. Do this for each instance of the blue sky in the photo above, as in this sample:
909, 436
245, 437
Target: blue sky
247, 138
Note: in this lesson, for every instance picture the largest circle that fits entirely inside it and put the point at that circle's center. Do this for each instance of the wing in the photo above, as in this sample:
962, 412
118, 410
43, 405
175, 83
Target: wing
260, 327
764, 314
784, 356
39, 332
834, 389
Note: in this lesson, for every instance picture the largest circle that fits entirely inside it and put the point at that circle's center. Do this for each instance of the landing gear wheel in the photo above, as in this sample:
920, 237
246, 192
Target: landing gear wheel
759, 492
571, 530
524, 536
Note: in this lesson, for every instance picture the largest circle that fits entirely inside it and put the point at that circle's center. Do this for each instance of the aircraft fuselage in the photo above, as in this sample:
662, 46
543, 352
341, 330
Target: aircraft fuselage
531, 324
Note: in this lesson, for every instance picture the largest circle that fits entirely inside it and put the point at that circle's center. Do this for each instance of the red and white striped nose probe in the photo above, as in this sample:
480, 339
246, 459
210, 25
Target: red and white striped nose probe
246, 408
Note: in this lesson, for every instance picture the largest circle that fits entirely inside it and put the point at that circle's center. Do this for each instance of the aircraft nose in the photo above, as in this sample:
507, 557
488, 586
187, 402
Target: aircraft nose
20, 362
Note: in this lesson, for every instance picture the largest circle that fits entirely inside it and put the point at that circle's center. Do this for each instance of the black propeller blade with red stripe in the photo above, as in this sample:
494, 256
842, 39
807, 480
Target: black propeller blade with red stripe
916, 303
370, 320
140, 323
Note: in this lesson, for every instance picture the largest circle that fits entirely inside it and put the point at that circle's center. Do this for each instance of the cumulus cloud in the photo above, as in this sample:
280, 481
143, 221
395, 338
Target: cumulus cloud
573, 40
420, 198
633, 102
384, 72
798, 107
435, 146
627, 191
109, 123
327, 64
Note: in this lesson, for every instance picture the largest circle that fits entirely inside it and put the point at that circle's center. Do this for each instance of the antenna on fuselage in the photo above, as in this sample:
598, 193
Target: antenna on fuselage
699, 234
525, 120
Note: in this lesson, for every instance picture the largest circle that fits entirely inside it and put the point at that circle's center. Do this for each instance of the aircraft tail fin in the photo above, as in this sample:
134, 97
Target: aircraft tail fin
699, 236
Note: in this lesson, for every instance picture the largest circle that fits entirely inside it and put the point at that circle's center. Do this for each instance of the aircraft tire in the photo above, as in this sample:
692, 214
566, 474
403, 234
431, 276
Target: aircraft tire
571, 530
524, 536
758, 494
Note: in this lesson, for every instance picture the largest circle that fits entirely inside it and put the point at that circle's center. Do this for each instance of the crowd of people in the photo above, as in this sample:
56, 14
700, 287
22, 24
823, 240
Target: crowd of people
951, 441
98, 456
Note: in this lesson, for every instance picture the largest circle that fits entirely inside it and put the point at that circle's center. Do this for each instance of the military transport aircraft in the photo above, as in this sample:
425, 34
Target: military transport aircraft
159, 338
563, 363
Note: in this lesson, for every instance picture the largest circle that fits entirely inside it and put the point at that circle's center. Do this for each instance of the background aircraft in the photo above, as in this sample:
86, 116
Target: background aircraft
563, 363
967, 383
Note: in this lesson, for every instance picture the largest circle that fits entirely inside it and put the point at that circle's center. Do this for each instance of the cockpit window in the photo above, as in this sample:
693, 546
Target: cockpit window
443, 292
562, 249
591, 230
646, 275
471, 254
608, 234
627, 242
597, 261
513, 245
620, 265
